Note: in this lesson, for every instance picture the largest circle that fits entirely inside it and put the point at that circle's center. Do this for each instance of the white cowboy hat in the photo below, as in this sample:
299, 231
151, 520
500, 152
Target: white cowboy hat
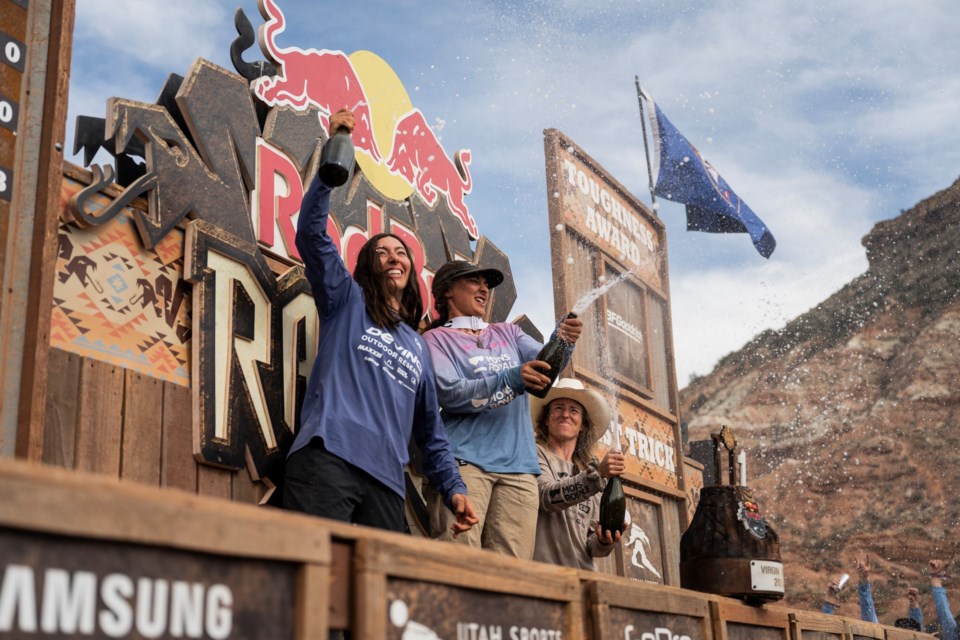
593, 404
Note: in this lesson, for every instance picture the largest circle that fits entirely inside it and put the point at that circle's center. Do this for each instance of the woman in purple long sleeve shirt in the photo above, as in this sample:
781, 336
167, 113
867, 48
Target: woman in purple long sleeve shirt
371, 387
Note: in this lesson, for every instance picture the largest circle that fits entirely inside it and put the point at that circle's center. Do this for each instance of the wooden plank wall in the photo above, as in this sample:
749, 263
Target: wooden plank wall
34, 156
119, 423
672, 530
660, 353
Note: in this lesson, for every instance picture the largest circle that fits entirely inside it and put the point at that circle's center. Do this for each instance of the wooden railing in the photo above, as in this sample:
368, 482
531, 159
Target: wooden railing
90, 556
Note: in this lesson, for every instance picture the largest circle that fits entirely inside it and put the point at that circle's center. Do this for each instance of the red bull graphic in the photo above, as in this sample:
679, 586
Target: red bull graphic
241, 186
276, 200
419, 158
276, 203
321, 78
331, 80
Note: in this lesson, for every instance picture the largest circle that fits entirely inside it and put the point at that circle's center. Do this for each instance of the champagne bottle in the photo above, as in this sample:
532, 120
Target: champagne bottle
553, 353
337, 159
613, 506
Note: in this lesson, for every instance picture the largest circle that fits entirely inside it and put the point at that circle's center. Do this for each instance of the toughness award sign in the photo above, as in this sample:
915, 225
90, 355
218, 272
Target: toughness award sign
603, 239
609, 265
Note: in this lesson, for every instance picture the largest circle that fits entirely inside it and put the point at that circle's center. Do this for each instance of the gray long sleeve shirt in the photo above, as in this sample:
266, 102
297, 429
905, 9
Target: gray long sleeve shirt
569, 508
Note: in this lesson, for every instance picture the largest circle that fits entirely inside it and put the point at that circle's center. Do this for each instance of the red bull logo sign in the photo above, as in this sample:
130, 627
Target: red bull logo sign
223, 159
330, 80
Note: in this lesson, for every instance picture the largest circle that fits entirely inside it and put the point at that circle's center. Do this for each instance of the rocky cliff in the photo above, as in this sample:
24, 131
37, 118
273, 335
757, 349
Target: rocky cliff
850, 416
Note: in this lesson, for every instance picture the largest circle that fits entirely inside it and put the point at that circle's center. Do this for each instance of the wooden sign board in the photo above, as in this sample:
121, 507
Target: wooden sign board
35, 43
693, 481
598, 208
600, 233
895, 633
605, 244
817, 626
648, 442
859, 630
642, 542
735, 621
437, 590
54, 587
118, 302
83, 555
13, 53
632, 612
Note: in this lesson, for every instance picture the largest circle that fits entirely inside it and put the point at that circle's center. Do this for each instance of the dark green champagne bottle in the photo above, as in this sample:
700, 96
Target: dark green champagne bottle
337, 159
553, 353
613, 506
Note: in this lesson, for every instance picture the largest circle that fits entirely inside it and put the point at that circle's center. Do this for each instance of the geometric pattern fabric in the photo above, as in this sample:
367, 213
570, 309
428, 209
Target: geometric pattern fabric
116, 301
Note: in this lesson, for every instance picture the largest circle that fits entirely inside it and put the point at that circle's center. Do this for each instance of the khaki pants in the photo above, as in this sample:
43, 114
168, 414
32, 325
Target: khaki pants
507, 504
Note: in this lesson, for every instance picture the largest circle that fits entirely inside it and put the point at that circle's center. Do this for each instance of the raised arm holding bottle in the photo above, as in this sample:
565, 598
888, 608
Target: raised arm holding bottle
347, 459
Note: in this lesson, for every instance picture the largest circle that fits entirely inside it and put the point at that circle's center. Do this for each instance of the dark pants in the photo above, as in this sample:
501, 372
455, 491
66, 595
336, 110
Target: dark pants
322, 484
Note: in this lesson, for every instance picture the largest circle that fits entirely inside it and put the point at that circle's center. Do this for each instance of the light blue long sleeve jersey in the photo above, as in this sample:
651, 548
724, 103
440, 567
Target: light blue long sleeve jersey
948, 625
916, 614
481, 392
868, 612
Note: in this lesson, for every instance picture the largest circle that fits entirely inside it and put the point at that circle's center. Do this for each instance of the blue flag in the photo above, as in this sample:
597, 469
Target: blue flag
684, 176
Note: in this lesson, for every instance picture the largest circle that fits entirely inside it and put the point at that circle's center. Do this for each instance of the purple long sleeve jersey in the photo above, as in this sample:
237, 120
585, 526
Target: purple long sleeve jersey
485, 406
370, 387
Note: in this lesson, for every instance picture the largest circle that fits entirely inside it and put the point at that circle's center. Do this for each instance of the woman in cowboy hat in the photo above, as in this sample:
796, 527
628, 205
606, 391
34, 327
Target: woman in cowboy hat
482, 371
568, 421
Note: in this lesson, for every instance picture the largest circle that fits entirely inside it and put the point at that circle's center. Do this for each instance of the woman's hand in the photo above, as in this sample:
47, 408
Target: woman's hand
610, 537
863, 568
532, 378
913, 597
569, 330
612, 464
938, 570
466, 515
342, 119
832, 593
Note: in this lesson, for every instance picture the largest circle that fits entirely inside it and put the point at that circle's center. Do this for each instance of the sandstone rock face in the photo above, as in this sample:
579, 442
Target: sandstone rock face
850, 417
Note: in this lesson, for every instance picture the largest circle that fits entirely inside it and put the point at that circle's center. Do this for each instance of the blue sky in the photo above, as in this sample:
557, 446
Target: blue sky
825, 117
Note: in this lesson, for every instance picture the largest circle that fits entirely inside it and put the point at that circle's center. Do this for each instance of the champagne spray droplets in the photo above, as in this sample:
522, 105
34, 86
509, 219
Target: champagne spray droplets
591, 296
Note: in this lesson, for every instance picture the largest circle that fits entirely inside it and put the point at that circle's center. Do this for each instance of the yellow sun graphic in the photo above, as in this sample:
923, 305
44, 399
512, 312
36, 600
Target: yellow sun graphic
388, 102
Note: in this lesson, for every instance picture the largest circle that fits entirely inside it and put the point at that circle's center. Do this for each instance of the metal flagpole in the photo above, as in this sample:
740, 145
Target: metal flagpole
646, 148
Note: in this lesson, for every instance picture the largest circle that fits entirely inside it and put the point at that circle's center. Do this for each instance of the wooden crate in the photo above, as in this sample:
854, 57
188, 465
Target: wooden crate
856, 629
894, 633
808, 625
217, 568
405, 585
622, 608
733, 620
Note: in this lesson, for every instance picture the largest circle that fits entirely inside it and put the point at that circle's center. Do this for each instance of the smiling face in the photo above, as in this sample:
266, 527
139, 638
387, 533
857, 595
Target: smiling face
394, 263
564, 421
468, 296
